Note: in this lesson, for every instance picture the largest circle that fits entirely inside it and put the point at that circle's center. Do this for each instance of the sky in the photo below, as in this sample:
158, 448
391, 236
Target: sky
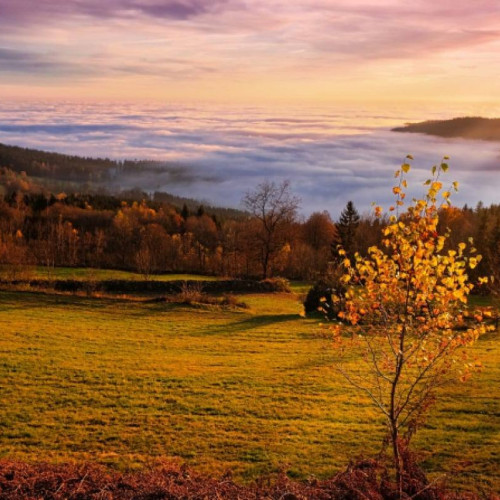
251, 51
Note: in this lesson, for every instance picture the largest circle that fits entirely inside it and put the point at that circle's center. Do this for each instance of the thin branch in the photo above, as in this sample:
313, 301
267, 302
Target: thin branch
362, 388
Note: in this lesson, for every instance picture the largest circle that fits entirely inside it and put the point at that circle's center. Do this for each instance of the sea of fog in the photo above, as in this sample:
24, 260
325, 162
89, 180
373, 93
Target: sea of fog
330, 154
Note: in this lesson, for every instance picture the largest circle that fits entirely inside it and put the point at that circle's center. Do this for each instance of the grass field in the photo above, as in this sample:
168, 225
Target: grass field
125, 383
83, 273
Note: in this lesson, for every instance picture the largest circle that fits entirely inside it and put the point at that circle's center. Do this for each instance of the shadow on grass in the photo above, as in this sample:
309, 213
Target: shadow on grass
18, 300
251, 323
28, 299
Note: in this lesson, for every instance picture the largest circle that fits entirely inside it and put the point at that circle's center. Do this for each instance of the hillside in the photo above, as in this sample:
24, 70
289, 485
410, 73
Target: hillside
487, 129
57, 172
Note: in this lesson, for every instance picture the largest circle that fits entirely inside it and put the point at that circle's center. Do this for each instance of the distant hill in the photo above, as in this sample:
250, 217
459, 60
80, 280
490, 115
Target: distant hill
55, 172
469, 127
69, 168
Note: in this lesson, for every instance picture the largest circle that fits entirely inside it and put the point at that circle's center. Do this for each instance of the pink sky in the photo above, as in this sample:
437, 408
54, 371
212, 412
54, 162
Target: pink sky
251, 51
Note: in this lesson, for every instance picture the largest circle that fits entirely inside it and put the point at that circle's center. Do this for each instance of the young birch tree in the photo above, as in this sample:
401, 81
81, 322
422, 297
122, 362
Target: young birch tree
406, 304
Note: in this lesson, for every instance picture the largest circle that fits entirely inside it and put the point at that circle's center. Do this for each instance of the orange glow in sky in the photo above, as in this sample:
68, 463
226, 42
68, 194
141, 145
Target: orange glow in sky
253, 51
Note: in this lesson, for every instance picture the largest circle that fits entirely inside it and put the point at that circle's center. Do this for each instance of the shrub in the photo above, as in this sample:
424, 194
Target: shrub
191, 293
278, 284
327, 297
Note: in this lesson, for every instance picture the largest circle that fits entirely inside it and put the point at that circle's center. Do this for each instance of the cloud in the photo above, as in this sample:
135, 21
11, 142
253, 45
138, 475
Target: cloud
275, 36
26, 11
220, 154
14, 61
64, 128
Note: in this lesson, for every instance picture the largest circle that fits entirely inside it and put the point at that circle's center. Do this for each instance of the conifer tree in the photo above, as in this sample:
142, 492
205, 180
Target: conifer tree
347, 225
185, 212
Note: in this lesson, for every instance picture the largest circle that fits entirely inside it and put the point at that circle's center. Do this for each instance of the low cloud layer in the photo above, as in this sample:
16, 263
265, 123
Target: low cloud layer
330, 155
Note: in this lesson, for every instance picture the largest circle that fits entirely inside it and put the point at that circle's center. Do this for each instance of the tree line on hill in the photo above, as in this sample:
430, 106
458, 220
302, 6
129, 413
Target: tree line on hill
152, 235
467, 127
75, 169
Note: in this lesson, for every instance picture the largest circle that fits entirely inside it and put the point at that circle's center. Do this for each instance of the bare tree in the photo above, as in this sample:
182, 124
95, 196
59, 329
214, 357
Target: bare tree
274, 207
144, 261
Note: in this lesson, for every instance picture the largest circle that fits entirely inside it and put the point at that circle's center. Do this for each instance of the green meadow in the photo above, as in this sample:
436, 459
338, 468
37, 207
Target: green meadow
85, 273
127, 383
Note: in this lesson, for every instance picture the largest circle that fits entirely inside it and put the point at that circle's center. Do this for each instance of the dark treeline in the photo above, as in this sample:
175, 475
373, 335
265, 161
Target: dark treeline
20, 181
153, 236
55, 170
467, 127
56, 166
47, 165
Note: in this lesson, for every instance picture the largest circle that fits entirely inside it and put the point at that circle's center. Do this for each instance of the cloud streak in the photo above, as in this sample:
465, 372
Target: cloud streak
196, 47
24, 11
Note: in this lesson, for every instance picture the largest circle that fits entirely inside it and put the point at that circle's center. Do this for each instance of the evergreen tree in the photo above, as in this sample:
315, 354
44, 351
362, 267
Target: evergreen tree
347, 226
185, 212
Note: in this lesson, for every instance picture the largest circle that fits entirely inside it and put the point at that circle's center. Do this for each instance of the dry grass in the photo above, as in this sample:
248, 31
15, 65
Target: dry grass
125, 383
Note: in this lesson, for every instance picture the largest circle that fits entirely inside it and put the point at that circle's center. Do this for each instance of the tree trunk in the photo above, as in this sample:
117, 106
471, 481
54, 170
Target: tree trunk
265, 264
393, 420
398, 463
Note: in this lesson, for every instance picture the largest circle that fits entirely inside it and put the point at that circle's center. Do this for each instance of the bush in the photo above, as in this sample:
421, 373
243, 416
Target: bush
191, 293
277, 284
326, 297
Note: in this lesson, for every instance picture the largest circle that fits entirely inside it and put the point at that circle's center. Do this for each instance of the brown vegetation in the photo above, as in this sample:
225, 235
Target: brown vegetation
363, 480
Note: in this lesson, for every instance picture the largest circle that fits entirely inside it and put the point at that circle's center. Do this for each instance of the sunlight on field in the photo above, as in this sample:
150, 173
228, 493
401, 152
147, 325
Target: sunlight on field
125, 383
83, 273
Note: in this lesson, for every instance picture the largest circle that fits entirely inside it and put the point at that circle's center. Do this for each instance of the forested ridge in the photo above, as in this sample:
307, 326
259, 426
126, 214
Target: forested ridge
55, 172
467, 127
71, 168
